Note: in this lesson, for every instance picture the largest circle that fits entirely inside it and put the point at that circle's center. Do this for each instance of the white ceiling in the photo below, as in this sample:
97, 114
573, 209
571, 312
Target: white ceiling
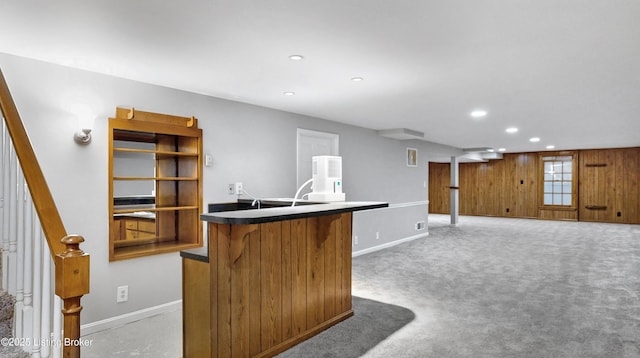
567, 71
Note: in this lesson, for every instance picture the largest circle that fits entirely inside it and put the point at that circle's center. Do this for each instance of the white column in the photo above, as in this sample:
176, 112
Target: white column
38, 243
57, 326
454, 191
20, 259
45, 323
27, 308
13, 243
6, 205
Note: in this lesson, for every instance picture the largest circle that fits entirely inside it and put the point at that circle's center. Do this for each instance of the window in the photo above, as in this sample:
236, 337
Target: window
558, 180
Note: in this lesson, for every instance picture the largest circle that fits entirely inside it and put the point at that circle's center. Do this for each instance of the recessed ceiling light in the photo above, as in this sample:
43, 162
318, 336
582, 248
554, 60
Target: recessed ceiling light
490, 150
296, 57
478, 113
534, 139
502, 149
511, 130
551, 146
357, 79
288, 93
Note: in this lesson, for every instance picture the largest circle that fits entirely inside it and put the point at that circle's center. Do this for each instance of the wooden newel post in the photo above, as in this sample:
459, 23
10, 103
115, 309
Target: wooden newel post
72, 282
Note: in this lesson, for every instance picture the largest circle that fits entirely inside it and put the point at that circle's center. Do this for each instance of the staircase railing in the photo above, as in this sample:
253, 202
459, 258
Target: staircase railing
71, 265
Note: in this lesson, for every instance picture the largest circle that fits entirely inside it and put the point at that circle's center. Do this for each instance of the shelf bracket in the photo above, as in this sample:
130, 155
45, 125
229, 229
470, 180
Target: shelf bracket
325, 224
131, 113
238, 240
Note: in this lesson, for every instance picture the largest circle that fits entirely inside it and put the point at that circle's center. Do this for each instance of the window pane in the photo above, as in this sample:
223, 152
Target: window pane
557, 187
557, 199
548, 187
566, 177
557, 176
548, 167
566, 199
548, 177
566, 187
548, 199
566, 167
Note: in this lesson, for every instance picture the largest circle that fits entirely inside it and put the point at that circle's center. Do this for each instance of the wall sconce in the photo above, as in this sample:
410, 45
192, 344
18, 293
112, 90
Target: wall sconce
83, 136
85, 119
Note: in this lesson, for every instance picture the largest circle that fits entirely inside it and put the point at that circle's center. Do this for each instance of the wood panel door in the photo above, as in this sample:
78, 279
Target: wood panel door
439, 181
628, 169
597, 186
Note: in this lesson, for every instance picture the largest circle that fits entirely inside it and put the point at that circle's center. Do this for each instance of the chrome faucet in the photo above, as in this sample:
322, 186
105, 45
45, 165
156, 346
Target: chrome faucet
295, 197
255, 200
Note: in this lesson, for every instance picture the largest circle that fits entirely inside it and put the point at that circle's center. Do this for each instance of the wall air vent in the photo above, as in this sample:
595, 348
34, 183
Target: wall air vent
401, 134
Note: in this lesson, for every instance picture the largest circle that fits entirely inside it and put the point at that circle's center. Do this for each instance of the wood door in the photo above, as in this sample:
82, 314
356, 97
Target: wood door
439, 181
597, 193
629, 196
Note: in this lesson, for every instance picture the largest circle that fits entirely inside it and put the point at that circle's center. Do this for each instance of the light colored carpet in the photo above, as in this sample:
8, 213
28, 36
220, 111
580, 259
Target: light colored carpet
372, 323
494, 287
490, 287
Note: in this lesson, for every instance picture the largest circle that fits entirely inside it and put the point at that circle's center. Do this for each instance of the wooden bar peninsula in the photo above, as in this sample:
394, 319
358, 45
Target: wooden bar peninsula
269, 279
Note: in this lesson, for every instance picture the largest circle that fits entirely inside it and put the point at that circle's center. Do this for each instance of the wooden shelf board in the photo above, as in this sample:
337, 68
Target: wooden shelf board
122, 253
157, 152
168, 208
157, 178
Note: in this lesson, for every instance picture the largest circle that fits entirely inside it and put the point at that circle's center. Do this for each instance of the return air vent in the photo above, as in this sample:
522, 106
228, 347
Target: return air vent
401, 133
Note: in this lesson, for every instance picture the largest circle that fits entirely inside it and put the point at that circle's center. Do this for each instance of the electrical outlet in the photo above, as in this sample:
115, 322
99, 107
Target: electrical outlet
231, 189
239, 188
377, 235
355, 240
420, 225
122, 294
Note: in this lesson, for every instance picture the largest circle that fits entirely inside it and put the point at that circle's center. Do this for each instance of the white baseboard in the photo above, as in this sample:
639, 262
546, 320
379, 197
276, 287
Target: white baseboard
388, 244
121, 320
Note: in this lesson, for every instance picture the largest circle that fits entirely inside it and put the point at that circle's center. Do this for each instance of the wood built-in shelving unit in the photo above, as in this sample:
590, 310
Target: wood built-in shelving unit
176, 181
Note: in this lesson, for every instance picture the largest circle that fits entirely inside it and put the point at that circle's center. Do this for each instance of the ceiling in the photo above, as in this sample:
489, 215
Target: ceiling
566, 71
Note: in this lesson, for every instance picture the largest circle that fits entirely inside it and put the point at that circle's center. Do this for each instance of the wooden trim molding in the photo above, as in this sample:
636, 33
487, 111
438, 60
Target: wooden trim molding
557, 208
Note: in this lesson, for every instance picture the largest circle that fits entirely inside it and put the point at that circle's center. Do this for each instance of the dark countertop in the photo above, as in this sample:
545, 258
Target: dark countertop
258, 216
199, 254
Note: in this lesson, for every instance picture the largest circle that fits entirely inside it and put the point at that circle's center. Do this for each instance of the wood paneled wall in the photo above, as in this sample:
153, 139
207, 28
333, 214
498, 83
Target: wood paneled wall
506, 187
509, 187
612, 176
268, 286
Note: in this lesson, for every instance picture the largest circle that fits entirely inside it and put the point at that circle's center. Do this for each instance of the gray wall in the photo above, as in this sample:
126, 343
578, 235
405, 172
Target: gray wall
251, 144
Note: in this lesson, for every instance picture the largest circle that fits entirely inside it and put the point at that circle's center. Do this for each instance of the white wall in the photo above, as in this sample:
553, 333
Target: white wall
251, 144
